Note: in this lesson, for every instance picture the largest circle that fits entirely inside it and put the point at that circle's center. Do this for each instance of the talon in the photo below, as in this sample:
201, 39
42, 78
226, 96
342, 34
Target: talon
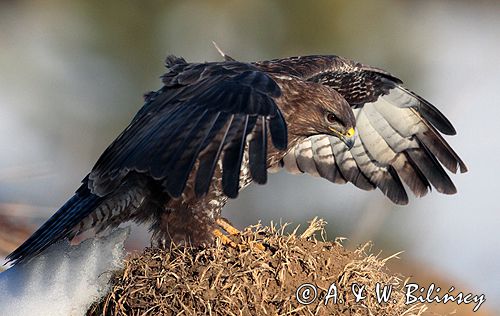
224, 224
224, 239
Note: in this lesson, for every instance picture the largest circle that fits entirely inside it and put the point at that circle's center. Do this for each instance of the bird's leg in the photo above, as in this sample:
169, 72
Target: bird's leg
224, 224
223, 238
231, 230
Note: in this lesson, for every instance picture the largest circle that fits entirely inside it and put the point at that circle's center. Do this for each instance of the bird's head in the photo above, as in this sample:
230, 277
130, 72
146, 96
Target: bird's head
323, 111
338, 120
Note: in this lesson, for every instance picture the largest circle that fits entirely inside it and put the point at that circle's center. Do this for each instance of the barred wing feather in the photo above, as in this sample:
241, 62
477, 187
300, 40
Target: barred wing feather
396, 142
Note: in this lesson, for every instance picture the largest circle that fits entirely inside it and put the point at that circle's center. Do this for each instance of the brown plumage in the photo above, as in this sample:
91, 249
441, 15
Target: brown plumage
213, 128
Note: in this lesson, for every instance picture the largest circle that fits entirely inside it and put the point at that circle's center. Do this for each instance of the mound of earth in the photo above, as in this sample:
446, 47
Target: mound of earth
245, 280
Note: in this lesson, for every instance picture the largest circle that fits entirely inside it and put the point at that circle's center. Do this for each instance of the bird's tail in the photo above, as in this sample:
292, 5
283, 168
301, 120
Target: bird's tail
59, 226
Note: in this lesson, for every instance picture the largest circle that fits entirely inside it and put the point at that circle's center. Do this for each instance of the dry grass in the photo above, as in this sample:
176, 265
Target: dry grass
222, 280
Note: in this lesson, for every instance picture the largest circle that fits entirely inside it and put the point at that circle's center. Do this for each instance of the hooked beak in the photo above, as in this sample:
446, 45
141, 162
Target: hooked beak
348, 138
349, 141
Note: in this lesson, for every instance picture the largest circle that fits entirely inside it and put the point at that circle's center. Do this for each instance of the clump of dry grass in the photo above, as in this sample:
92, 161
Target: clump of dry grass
222, 280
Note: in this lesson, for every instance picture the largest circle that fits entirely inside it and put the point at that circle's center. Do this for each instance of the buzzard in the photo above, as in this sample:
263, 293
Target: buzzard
215, 127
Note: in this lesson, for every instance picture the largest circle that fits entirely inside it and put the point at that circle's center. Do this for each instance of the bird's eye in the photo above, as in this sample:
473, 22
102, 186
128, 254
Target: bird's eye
330, 118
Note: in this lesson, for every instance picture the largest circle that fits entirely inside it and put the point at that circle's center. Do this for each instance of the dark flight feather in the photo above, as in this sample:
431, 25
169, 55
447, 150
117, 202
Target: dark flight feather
432, 114
432, 170
258, 152
209, 160
278, 129
233, 156
424, 185
176, 181
155, 140
180, 172
59, 226
442, 150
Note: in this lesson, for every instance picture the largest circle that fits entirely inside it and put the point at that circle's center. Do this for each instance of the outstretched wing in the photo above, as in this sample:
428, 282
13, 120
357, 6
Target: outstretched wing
398, 135
203, 112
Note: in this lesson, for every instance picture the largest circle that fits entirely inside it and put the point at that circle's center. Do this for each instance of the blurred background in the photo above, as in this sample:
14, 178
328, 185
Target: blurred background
72, 75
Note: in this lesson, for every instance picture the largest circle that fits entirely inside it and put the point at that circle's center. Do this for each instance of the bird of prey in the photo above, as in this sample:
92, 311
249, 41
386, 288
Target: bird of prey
215, 127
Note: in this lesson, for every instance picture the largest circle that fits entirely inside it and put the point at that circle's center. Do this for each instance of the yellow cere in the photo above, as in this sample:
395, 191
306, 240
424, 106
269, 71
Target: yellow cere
350, 132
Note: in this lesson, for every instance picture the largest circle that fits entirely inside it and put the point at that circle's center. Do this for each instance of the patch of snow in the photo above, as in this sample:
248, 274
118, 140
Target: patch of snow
65, 279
